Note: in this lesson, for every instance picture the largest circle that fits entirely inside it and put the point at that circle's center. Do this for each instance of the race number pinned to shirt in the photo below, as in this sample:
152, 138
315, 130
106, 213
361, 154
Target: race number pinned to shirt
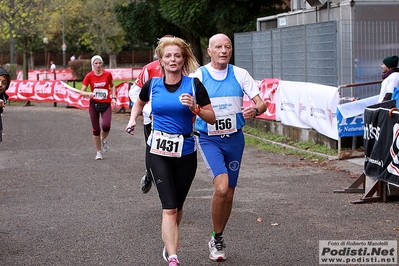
164, 144
225, 123
100, 94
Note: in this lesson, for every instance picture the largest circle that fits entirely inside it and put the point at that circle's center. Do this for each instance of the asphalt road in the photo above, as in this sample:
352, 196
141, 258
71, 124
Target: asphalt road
58, 206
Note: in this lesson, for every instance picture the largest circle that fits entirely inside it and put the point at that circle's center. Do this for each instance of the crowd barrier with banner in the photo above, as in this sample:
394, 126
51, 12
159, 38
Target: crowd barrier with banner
350, 117
381, 150
300, 104
267, 91
381, 143
58, 91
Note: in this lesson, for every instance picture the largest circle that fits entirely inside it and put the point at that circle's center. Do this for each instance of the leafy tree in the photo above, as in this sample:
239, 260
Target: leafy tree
90, 26
192, 17
240, 15
25, 19
142, 22
107, 27
66, 19
104, 34
192, 20
7, 16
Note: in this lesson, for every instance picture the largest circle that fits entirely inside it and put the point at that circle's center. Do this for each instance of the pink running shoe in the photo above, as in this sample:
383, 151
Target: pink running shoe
174, 262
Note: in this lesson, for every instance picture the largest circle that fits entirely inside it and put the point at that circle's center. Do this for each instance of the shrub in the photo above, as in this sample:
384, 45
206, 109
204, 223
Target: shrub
80, 68
12, 70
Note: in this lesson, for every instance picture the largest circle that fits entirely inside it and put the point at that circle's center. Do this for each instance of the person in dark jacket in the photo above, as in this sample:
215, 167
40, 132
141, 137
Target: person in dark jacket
5, 81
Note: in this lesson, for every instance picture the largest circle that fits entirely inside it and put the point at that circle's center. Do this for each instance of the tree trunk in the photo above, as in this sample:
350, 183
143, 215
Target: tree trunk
31, 64
196, 45
112, 60
13, 54
25, 63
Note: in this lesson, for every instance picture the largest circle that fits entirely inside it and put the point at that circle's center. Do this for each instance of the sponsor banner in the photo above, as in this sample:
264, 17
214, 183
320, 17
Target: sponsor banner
58, 91
267, 91
66, 74
308, 105
351, 126
358, 252
122, 95
63, 74
381, 143
124, 73
350, 117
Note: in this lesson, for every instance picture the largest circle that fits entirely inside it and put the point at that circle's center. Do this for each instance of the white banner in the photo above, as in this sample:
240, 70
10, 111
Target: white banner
308, 105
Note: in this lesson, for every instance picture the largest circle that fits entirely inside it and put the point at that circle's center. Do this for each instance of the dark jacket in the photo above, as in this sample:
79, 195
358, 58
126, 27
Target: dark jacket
3, 95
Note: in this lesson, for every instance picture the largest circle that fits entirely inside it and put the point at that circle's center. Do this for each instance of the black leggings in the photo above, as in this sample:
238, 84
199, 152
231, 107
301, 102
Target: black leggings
173, 177
147, 131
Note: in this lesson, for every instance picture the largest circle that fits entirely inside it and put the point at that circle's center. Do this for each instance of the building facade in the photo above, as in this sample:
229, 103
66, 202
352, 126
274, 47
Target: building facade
327, 42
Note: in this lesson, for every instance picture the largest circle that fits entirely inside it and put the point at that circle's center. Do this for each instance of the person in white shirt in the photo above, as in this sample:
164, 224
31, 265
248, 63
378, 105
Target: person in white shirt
52, 66
390, 77
222, 144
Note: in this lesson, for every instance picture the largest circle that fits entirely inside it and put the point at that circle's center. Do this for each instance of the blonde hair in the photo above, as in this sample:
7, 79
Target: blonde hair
190, 61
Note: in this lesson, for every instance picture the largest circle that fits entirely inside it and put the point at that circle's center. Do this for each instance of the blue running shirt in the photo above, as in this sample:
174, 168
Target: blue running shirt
169, 114
226, 96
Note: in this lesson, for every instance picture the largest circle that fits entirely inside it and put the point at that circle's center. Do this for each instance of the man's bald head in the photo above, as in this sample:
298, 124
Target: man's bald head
218, 37
220, 51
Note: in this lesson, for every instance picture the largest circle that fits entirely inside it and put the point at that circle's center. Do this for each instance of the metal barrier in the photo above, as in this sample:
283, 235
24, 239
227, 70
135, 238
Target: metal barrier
46, 74
381, 188
354, 151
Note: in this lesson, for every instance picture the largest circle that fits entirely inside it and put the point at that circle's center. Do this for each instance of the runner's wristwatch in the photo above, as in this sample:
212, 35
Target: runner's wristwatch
256, 112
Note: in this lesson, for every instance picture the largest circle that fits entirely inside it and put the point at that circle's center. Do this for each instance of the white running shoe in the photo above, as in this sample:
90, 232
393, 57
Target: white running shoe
216, 250
165, 254
105, 145
99, 156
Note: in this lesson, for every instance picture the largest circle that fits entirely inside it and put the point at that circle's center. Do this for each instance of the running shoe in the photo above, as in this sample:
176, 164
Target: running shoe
105, 145
174, 262
165, 254
216, 250
145, 183
99, 156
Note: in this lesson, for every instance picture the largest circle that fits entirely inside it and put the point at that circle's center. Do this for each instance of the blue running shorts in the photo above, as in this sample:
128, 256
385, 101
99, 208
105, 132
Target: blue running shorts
223, 154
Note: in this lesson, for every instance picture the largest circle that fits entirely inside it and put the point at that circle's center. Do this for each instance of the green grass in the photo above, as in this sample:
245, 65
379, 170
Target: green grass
78, 85
267, 141
16, 103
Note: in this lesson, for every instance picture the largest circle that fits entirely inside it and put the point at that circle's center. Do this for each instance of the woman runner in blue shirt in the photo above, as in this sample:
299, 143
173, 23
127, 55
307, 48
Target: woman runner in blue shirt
176, 99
